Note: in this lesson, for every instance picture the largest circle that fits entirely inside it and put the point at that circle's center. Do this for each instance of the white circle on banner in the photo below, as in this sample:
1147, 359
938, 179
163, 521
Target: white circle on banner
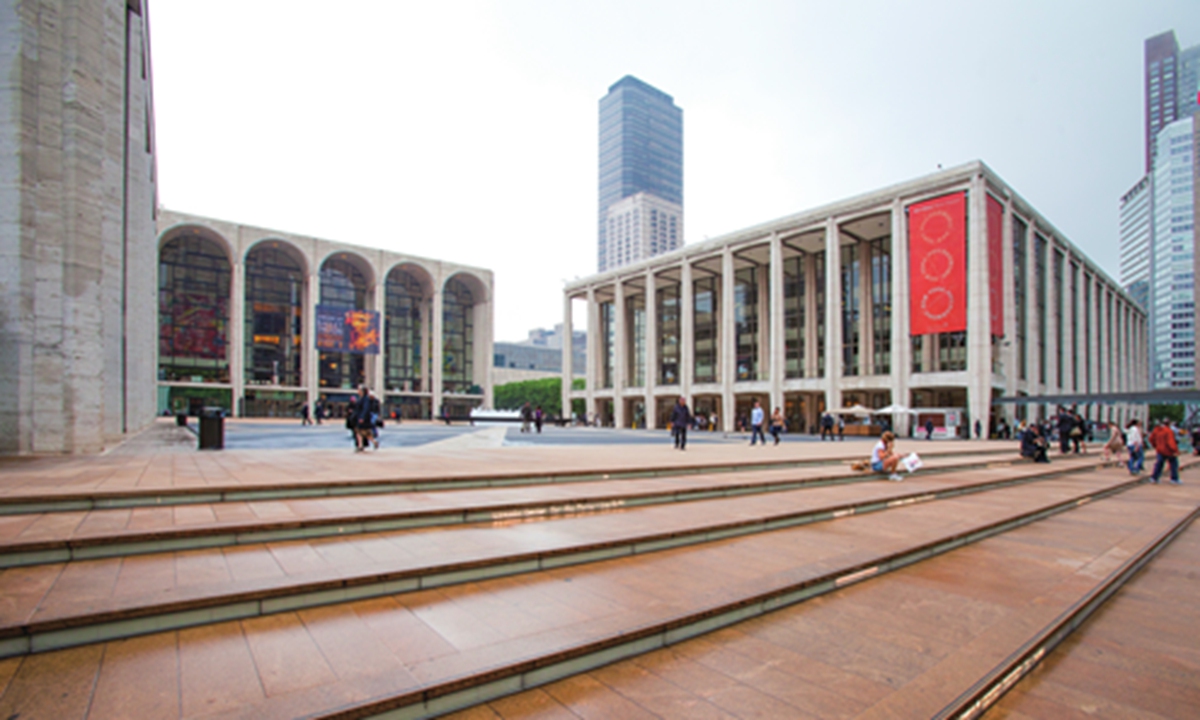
937, 303
937, 265
935, 232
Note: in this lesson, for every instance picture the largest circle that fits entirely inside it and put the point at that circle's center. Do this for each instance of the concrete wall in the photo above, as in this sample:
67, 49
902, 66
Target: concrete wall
77, 198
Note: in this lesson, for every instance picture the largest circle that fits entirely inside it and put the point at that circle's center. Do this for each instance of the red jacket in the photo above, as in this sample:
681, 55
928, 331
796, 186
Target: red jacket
1163, 441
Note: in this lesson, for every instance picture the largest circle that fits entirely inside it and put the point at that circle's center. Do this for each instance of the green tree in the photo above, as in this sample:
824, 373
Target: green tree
546, 392
1173, 411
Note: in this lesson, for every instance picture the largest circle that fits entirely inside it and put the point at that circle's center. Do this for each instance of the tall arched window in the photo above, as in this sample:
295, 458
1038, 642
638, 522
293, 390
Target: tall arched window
458, 345
193, 310
404, 294
343, 287
274, 316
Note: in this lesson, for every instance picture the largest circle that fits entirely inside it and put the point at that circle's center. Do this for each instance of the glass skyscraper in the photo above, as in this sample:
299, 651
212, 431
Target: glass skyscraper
641, 151
1172, 269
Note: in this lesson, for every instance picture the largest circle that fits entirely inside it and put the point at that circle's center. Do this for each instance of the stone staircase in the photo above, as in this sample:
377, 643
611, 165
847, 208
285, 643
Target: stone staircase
484, 594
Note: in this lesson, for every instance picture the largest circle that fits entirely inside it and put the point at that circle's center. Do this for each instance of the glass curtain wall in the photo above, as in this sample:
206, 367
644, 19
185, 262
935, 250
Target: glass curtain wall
819, 291
745, 318
1019, 283
705, 329
274, 317
194, 280
881, 305
607, 347
668, 334
458, 338
851, 308
403, 296
794, 316
635, 308
344, 287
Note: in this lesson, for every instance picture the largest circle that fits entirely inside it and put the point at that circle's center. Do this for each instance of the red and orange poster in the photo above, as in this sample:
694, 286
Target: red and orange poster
937, 253
995, 229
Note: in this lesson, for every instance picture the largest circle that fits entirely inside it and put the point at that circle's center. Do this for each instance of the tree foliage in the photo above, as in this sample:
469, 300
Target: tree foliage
546, 392
1173, 411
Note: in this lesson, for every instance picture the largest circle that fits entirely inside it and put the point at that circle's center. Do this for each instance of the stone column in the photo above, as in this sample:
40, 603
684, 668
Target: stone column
727, 341
651, 344
833, 317
483, 345
776, 368
568, 369
237, 337
1031, 319
310, 369
620, 354
426, 357
594, 346
687, 334
375, 363
437, 356
1008, 349
979, 345
901, 344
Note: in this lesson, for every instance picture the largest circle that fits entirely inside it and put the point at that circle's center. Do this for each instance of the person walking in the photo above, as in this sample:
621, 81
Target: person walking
681, 417
319, 411
826, 426
978, 429
1163, 442
756, 424
777, 424
359, 419
1115, 447
841, 424
526, 417
929, 429
304, 418
1066, 422
1136, 445
538, 418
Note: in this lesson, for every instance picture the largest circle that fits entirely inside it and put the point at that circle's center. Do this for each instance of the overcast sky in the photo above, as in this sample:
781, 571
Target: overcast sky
467, 131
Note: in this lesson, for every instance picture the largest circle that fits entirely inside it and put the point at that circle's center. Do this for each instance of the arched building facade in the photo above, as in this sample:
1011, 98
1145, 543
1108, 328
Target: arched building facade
246, 316
944, 293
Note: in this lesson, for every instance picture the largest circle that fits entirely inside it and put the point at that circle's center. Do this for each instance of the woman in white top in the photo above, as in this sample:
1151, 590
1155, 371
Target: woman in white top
884, 457
1137, 453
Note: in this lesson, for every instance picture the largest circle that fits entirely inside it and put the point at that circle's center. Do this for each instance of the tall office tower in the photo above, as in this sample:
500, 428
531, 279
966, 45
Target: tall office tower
1162, 85
1172, 266
641, 151
1135, 241
641, 226
1187, 101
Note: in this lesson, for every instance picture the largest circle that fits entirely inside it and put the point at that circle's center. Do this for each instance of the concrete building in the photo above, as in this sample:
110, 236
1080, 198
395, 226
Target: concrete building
1173, 257
945, 292
1135, 233
641, 151
77, 204
262, 322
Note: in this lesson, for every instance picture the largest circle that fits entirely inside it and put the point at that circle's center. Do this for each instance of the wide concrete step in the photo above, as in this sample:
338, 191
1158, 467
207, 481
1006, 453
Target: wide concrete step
935, 638
86, 487
60, 605
48, 537
436, 650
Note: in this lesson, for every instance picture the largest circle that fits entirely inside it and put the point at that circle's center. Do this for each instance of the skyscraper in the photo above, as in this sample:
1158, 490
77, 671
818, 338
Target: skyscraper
1172, 270
1162, 87
641, 151
1135, 241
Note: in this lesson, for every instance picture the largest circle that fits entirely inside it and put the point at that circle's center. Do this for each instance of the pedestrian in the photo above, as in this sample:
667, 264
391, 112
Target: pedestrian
841, 425
1136, 445
1077, 430
1115, 447
360, 419
756, 424
526, 417
1196, 439
826, 426
1163, 442
319, 411
929, 428
1066, 422
304, 418
884, 457
777, 424
538, 418
681, 417
978, 429
1034, 445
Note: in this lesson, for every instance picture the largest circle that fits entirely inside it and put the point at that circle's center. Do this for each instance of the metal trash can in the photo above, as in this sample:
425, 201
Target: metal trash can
212, 428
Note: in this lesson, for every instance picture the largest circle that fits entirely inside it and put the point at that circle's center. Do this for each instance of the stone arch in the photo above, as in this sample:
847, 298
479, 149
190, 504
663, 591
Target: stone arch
273, 293
474, 283
195, 302
196, 230
364, 266
290, 248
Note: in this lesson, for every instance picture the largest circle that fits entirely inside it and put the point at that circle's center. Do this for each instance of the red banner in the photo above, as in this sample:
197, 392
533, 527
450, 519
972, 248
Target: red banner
995, 229
937, 256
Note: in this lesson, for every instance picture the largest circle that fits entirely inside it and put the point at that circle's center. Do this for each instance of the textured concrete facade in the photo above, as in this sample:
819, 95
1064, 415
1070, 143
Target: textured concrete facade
77, 199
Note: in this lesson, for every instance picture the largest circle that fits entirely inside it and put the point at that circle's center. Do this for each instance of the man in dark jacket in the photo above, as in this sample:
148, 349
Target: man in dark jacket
681, 417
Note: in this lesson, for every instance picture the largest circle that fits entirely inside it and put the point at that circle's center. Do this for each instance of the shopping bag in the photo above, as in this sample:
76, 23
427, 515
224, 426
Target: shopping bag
912, 462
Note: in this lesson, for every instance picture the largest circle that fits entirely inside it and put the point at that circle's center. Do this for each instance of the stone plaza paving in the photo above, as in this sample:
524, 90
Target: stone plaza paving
463, 573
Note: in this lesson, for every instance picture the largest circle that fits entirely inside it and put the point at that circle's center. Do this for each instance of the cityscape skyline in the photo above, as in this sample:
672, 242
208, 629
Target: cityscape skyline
275, 135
